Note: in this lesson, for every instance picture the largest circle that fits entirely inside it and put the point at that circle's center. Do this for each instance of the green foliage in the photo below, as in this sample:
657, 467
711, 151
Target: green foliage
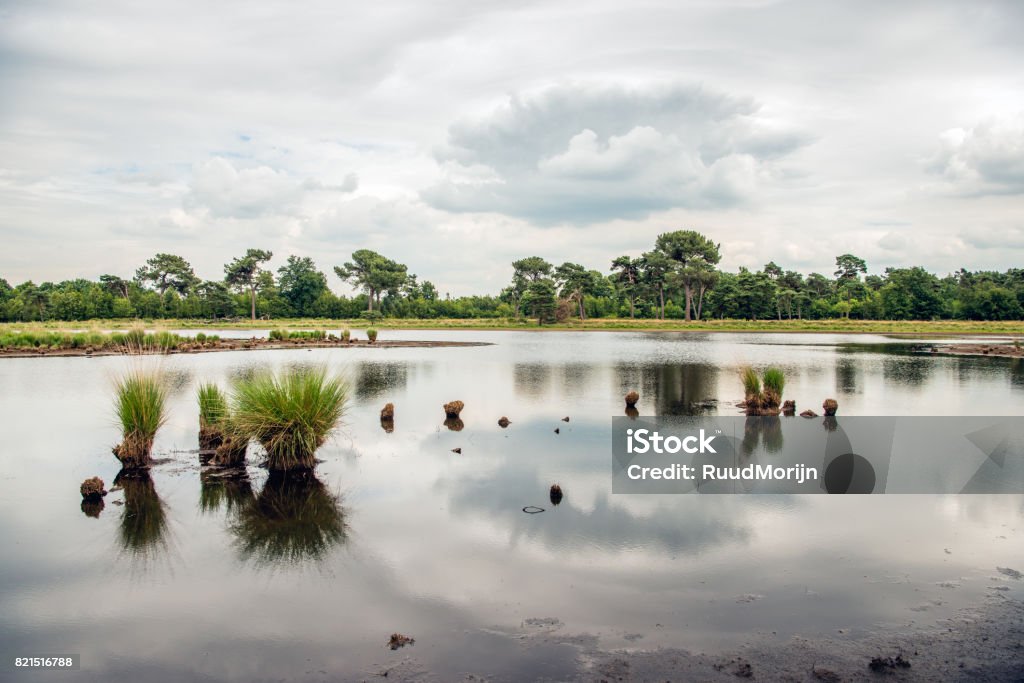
371, 334
774, 381
346, 334
751, 382
290, 414
140, 404
213, 405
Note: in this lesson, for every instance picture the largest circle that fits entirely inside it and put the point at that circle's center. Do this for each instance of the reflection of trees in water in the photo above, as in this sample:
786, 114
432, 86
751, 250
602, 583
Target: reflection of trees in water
674, 389
230, 489
848, 376
576, 378
531, 380
1017, 372
371, 379
294, 518
911, 371
143, 527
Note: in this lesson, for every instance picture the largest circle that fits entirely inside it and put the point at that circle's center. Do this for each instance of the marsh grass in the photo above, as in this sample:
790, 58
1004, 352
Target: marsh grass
774, 381
213, 405
290, 414
751, 382
294, 518
371, 335
140, 404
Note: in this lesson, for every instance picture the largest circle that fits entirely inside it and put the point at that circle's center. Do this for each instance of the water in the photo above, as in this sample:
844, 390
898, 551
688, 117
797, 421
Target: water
195, 578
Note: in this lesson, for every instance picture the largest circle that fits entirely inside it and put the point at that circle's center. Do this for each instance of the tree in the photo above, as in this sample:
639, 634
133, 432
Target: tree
167, 271
244, 274
576, 282
115, 285
849, 267
524, 272
372, 273
539, 300
694, 253
656, 267
216, 299
627, 275
301, 284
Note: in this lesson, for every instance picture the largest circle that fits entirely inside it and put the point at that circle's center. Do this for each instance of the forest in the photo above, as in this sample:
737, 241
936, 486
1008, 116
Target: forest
678, 278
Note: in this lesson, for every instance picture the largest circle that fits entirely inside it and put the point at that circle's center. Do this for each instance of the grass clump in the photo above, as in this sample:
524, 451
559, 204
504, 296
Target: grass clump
289, 414
213, 412
371, 334
140, 404
762, 394
346, 335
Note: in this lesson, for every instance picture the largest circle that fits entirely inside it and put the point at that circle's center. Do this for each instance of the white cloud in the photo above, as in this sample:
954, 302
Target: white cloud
985, 159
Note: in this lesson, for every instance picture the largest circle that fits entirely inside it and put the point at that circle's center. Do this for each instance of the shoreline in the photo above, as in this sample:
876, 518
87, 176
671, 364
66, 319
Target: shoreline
254, 344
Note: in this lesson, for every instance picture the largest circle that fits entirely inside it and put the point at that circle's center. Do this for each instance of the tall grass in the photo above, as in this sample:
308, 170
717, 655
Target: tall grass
140, 404
774, 381
290, 414
751, 382
371, 334
213, 405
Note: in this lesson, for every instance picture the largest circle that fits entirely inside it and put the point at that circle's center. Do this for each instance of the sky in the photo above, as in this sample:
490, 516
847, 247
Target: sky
456, 137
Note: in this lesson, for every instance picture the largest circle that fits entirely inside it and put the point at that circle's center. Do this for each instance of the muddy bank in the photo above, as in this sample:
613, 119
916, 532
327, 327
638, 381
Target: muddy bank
985, 643
1005, 350
239, 345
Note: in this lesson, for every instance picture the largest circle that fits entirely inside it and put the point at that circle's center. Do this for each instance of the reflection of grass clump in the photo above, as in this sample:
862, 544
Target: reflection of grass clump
143, 519
232, 492
140, 406
290, 415
294, 518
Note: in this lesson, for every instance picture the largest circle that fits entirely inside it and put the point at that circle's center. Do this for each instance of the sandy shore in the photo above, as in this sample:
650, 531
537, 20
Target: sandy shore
240, 345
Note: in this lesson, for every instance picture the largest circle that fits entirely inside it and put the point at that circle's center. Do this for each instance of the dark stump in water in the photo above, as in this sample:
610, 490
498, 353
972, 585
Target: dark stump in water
92, 489
631, 399
92, 508
134, 452
808, 413
387, 412
789, 408
387, 424
830, 406
632, 413
455, 424
556, 494
210, 437
231, 451
504, 422
453, 408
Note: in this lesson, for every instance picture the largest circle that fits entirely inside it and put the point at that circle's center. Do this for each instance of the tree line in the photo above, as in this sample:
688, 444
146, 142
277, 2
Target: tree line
678, 279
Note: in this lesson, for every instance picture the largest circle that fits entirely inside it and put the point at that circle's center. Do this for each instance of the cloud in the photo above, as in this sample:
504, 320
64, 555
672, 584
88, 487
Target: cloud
227, 192
985, 159
582, 153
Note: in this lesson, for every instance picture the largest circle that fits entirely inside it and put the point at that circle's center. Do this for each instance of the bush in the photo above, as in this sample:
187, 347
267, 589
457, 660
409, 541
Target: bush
371, 315
201, 337
290, 415
371, 334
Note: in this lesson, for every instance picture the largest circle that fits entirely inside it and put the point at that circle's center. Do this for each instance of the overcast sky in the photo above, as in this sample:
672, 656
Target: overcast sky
458, 136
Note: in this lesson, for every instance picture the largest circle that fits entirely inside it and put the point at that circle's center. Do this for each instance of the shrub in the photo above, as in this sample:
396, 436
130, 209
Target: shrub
346, 335
290, 415
278, 335
201, 337
140, 405
371, 334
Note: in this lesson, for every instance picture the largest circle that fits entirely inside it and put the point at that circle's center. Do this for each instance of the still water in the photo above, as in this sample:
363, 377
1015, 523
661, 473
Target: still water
187, 576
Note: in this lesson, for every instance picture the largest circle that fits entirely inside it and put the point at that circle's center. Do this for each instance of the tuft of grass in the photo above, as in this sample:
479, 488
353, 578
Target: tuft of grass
774, 381
751, 382
213, 405
371, 334
346, 334
140, 404
290, 414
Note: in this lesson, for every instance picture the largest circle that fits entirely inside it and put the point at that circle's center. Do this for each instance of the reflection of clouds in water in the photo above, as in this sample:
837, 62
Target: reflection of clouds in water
675, 523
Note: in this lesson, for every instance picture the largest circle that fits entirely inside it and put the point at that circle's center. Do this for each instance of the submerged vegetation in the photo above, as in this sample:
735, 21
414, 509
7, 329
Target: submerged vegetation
289, 414
141, 408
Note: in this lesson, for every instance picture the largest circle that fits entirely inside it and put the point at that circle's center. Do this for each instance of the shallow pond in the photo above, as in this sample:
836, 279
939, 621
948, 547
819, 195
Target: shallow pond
189, 577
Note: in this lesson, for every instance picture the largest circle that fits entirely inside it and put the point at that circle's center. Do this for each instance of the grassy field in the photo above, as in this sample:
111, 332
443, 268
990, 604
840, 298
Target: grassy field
904, 327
